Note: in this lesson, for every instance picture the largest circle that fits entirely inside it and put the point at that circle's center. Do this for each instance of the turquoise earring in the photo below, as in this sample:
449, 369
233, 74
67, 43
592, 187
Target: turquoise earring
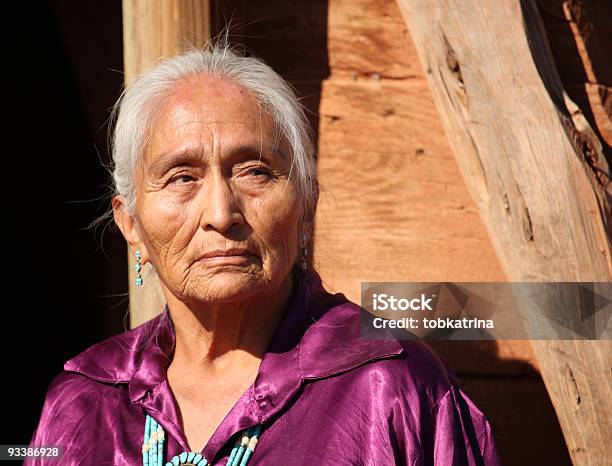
304, 247
138, 268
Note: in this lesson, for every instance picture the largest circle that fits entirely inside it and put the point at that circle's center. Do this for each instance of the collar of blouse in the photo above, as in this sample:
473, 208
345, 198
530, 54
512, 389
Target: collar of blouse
318, 337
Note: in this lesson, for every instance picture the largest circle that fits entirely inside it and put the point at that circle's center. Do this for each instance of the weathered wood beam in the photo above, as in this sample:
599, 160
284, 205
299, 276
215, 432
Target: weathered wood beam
153, 30
537, 173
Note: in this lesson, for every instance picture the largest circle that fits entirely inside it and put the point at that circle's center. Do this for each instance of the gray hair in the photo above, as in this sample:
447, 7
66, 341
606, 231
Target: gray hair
139, 102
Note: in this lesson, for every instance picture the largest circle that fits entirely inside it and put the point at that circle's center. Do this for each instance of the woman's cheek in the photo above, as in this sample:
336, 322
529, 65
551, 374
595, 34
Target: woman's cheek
272, 218
165, 217
282, 233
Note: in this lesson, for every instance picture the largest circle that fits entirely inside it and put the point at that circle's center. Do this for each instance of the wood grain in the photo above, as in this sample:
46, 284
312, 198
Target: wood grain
157, 29
537, 174
389, 184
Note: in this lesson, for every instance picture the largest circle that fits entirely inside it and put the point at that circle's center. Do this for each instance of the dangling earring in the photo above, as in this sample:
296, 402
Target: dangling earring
303, 246
138, 268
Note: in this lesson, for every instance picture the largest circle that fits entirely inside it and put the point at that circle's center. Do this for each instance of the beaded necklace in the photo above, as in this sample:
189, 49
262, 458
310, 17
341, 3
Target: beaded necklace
153, 448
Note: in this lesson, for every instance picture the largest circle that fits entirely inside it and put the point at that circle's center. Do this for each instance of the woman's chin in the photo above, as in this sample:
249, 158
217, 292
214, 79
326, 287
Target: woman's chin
228, 284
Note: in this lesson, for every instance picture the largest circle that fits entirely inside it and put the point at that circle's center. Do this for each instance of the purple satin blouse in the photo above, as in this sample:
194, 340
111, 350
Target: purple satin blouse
324, 396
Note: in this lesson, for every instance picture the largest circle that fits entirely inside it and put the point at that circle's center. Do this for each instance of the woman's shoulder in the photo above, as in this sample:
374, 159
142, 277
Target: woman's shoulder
337, 343
403, 382
71, 388
96, 377
93, 381
78, 406
115, 359
421, 398
421, 364
425, 405
416, 374
69, 400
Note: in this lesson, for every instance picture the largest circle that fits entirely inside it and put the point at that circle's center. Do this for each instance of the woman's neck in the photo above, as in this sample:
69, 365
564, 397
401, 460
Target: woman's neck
212, 338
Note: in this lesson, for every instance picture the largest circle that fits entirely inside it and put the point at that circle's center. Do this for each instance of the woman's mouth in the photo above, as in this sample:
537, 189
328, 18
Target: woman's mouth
227, 256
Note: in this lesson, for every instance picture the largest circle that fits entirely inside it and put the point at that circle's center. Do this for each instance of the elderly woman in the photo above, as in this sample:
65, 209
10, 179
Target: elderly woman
251, 361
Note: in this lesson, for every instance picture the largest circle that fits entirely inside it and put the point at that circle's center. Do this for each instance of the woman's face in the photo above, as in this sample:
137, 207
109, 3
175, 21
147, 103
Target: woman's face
212, 182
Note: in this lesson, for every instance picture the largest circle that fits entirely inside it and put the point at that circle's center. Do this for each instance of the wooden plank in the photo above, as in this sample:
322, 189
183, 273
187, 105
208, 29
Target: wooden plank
538, 176
369, 37
156, 29
153, 30
381, 148
377, 156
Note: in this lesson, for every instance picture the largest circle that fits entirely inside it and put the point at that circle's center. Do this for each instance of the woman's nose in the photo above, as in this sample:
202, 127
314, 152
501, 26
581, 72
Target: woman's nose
221, 211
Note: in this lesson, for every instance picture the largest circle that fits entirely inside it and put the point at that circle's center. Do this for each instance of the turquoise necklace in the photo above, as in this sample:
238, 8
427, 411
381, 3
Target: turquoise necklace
153, 448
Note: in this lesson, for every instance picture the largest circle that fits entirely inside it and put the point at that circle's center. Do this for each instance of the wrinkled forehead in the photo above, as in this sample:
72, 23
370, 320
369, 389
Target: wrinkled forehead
212, 115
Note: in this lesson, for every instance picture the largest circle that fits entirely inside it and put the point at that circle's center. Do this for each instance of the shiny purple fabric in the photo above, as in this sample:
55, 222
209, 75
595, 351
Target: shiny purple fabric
324, 395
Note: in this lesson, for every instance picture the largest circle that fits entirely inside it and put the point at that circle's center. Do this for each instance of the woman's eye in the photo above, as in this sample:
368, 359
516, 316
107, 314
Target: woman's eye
182, 179
258, 172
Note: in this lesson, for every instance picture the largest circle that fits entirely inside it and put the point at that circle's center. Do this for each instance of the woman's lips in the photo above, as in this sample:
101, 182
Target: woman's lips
228, 256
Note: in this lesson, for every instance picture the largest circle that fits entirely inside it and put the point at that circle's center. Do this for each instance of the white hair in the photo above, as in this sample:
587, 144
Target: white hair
142, 99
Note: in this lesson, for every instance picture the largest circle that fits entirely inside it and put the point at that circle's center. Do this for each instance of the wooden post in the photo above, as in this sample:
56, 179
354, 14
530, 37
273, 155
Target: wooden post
153, 30
536, 171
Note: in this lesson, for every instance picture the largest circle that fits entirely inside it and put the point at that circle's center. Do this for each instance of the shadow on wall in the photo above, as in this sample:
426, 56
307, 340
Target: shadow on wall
513, 396
580, 34
290, 37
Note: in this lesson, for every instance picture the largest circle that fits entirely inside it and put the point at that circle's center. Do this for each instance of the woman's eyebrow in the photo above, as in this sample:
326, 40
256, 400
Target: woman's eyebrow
193, 156
170, 159
250, 150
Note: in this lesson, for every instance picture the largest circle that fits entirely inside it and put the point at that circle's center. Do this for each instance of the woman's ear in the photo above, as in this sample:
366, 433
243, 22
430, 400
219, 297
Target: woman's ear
308, 217
127, 224
315, 199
